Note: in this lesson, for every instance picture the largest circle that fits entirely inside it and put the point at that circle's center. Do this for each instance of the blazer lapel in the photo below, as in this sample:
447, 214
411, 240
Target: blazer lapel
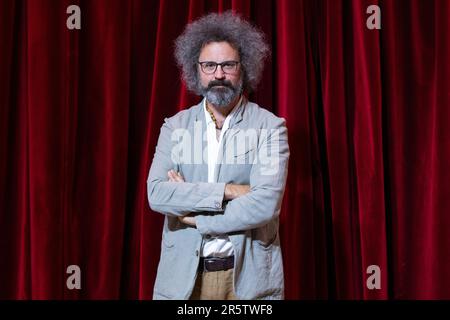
198, 127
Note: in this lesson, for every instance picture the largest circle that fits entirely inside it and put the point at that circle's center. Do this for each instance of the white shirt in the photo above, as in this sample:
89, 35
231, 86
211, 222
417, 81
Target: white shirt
219, 246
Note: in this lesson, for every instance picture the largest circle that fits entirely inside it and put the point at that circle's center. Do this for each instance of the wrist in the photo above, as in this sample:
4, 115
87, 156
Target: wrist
227, 193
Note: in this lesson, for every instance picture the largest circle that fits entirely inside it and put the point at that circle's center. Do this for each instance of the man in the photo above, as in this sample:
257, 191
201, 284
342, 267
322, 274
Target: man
219, 172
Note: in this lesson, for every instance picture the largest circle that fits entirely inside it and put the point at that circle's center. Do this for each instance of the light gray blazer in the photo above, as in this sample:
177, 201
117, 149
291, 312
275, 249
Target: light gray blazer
255, 151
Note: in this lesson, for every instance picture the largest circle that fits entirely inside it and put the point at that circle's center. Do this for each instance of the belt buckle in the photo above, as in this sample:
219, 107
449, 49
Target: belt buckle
208, 261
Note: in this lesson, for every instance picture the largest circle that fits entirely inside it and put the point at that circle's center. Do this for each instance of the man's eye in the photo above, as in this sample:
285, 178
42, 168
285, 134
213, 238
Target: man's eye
229, 65
210, 65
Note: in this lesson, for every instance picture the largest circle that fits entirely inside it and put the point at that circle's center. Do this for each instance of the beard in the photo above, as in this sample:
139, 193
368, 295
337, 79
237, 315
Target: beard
221, 93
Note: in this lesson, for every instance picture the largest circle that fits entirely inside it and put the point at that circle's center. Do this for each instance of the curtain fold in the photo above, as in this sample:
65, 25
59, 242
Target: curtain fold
367, 114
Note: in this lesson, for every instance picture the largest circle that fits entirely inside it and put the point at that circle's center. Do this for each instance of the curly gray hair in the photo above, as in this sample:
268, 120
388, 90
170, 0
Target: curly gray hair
228, 27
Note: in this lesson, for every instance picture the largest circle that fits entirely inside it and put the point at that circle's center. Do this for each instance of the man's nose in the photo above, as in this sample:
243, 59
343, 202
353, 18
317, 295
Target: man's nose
219, 74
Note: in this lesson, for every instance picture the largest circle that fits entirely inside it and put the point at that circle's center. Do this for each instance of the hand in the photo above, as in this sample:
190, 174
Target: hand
189, 220
174, 176
233, 191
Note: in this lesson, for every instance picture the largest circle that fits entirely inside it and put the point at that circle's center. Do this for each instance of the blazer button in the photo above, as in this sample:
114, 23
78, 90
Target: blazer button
196, 253
208, 236
218, 204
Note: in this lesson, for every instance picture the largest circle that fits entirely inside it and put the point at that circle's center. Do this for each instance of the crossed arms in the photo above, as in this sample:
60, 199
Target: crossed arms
232, 191
250, 206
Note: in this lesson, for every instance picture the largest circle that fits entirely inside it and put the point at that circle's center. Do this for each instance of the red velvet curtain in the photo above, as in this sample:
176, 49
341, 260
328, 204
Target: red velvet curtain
367, 113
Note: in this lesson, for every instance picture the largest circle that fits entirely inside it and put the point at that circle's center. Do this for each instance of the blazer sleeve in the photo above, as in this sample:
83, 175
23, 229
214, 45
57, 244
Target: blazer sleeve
267, 183
175, 198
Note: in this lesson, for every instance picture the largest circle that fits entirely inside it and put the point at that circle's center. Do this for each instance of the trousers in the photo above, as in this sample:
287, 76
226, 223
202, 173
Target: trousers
217, 285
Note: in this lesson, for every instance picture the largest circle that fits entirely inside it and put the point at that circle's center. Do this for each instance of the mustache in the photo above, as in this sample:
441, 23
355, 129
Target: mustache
225, 83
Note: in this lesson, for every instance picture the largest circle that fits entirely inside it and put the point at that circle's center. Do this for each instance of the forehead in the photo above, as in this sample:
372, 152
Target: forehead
218, 52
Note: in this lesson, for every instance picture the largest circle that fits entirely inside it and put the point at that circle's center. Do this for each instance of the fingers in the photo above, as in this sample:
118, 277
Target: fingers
175, 176
189, 220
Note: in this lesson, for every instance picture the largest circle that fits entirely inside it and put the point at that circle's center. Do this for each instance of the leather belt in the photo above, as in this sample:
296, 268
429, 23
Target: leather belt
215, 264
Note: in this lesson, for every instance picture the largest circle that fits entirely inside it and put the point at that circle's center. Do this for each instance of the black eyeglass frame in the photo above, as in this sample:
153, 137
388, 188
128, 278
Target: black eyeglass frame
221, 64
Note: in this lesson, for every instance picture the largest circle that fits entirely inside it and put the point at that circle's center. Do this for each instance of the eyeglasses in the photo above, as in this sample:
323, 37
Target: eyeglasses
210, 67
